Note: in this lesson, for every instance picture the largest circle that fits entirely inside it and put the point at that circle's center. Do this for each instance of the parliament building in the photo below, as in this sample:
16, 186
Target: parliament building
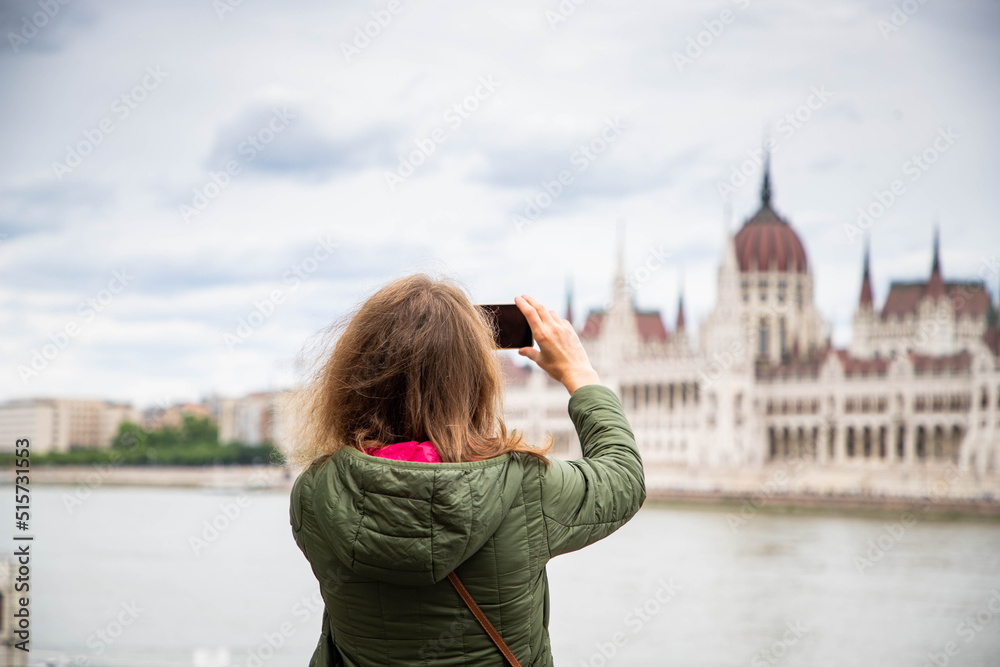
914, 398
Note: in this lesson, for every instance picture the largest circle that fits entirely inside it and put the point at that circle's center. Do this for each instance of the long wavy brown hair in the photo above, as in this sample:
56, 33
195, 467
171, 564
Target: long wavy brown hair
416, 361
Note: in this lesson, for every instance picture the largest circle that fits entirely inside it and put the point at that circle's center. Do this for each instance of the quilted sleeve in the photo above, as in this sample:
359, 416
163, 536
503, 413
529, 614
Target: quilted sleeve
586, 500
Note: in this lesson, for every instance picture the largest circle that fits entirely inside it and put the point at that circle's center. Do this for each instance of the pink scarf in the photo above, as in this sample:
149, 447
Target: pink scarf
407, 451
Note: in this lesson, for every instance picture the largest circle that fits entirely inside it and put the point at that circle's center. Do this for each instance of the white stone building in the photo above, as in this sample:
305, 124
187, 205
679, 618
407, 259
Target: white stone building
261, 417
918, 390
61, 424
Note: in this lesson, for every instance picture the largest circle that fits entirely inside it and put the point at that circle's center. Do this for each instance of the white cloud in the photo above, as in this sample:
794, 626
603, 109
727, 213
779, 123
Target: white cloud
687, 130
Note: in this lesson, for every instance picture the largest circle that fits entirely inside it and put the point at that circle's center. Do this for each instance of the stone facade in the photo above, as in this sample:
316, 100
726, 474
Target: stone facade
62, 424
918, 389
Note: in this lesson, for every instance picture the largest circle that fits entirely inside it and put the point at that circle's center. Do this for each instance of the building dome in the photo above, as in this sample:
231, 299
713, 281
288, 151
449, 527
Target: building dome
766, 240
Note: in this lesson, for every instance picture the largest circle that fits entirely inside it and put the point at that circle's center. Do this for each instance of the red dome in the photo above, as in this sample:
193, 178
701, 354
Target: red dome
766, 238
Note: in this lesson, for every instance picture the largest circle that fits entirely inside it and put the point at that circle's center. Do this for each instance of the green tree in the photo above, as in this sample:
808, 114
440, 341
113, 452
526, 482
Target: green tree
130, 437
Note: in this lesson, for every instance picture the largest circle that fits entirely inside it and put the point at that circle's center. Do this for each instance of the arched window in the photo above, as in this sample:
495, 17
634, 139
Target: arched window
783, 337
762, 339
955, 443
939, 443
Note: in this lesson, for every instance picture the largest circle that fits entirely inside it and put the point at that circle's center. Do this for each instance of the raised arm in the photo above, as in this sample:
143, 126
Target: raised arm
587, 499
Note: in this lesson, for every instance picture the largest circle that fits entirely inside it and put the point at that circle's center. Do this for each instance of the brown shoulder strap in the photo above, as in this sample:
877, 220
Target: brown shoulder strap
483, 621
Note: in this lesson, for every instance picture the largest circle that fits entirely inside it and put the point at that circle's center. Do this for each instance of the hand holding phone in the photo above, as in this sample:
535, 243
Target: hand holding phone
510, 327
560, 352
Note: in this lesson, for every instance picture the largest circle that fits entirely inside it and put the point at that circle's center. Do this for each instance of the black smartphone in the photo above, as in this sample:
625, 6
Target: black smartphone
510, 327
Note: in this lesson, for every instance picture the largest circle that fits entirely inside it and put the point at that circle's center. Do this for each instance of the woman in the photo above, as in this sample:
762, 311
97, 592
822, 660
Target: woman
412, 474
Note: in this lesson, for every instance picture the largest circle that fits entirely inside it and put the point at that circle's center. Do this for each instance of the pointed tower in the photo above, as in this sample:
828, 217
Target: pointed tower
621, 284
619, 330
863, 327
679, 340
936, 315
866, 300
935, 286
765, 186
722, 331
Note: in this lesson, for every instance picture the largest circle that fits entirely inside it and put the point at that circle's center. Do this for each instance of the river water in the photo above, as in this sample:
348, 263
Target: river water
673, 587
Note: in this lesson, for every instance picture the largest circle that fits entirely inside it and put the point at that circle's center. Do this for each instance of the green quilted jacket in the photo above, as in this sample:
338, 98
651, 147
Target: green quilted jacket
382, 535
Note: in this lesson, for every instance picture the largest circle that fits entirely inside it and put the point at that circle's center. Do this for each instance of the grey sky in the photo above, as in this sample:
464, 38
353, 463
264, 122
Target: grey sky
308, 135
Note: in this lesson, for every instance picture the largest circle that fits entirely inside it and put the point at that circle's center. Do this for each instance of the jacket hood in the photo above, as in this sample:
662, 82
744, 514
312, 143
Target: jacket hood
406, 522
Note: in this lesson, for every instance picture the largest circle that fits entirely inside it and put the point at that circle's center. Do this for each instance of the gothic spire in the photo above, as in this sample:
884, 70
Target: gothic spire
936, 266
866, 282
765, 188
935, 286
621, 285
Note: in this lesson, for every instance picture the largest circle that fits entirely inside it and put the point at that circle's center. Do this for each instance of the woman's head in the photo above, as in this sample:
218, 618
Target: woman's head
416, 361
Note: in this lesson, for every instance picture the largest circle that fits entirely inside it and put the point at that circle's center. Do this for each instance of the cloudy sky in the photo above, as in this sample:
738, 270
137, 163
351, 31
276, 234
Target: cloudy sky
170, 169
